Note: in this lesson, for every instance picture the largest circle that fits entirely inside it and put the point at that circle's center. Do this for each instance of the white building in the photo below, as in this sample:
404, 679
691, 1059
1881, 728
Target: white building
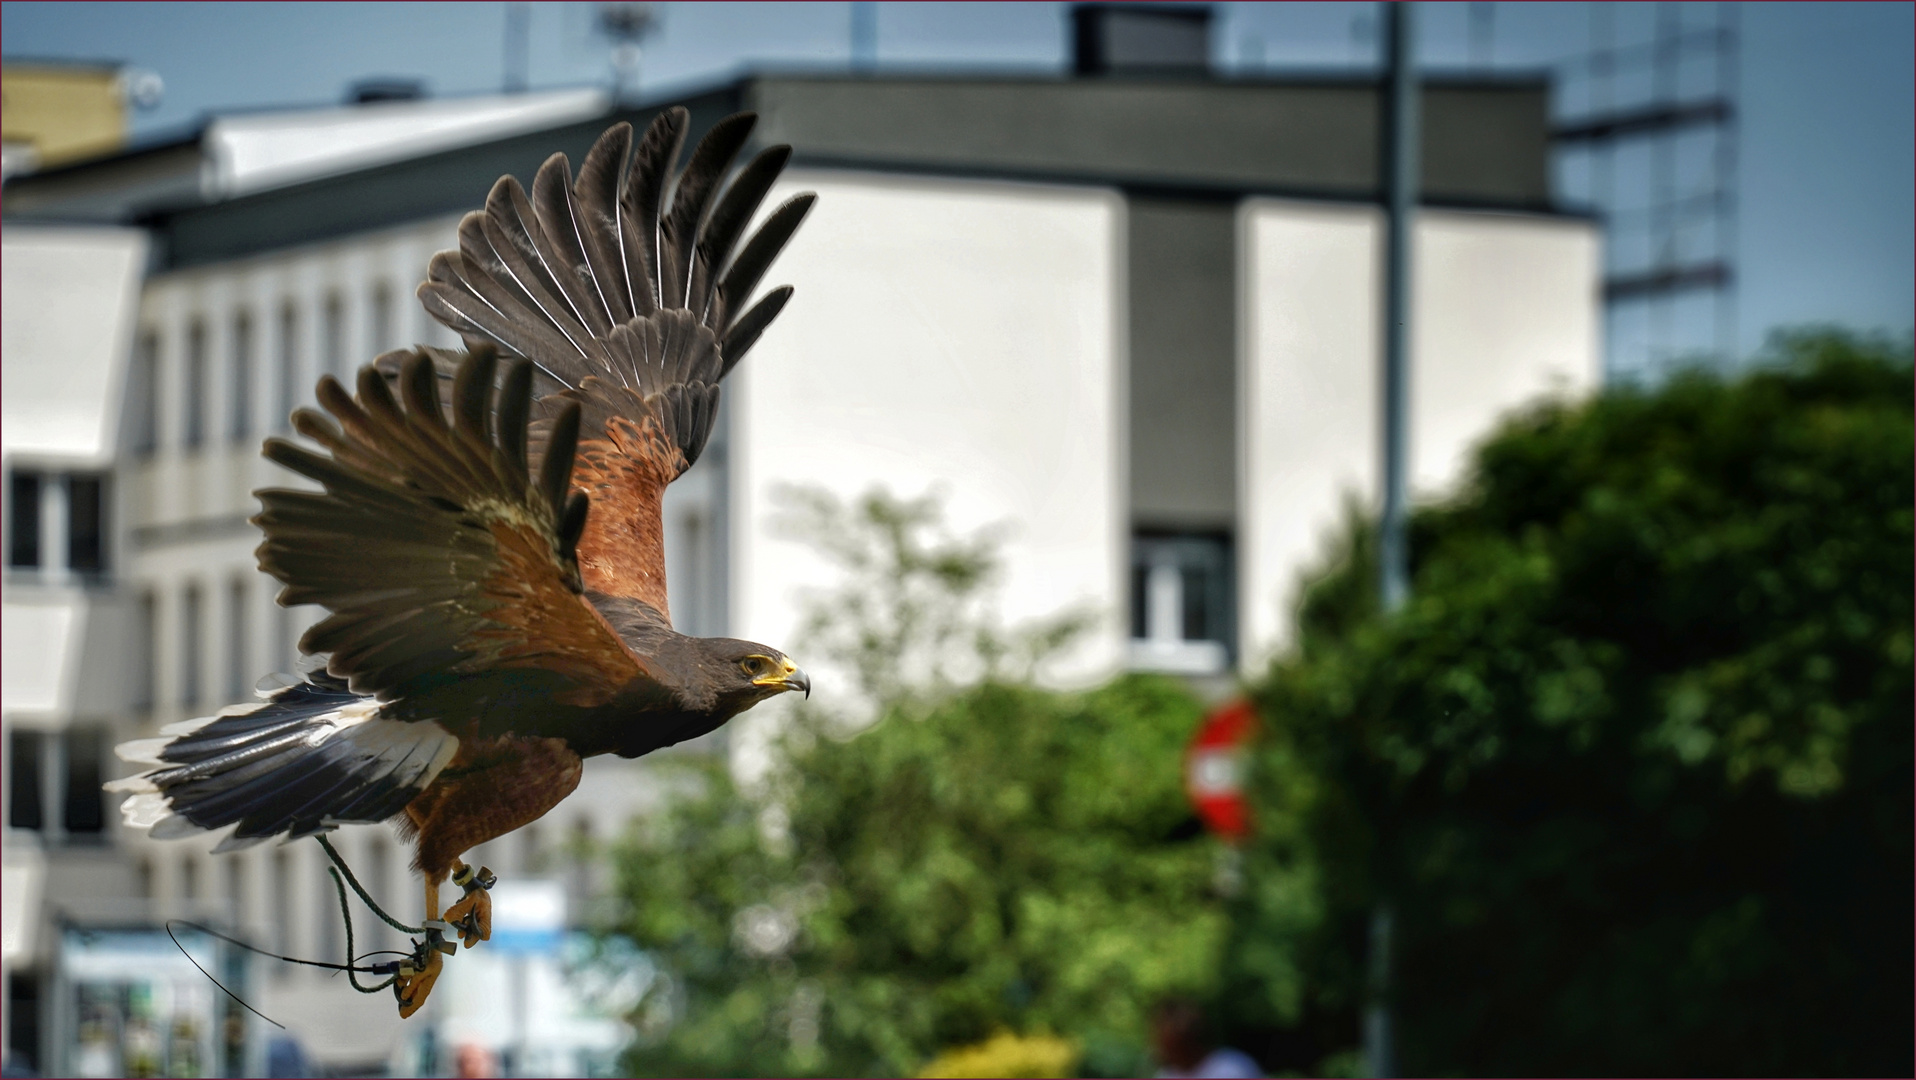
1133, 321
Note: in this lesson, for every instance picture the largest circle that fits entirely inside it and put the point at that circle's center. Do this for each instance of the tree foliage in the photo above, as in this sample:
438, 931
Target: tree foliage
1633, 767
985, 858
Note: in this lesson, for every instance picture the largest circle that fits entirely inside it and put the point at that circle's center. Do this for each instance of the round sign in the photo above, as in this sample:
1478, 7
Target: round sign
1214, 768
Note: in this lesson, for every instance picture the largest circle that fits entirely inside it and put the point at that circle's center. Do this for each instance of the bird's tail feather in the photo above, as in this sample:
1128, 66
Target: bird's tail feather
310, 756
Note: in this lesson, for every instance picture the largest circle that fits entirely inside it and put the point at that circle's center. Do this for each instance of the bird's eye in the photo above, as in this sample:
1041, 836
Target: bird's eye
755, 666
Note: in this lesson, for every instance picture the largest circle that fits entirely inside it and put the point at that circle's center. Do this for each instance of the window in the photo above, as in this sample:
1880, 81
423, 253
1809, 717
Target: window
77, 500
233, 887
61, 773
146, 394
239, 417
194, 429
332, 340
85, 805
23, 1016
289, 375
379, 883
532, 856
23, 520
285, 640
25, 803
1182, 617
280, 904
146, 629
86, 524
380, 325
190, 624
330, 945
239, 676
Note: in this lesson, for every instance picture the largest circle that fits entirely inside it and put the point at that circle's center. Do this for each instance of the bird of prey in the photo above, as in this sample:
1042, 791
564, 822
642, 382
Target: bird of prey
488, 540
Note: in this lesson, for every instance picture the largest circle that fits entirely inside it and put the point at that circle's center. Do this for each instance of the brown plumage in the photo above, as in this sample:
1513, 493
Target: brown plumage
488, 541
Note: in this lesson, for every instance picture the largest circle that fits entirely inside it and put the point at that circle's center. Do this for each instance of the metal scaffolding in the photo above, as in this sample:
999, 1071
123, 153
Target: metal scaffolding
1646, 136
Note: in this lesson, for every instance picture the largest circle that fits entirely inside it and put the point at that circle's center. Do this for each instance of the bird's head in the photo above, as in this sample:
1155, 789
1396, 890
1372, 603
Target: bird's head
747, 672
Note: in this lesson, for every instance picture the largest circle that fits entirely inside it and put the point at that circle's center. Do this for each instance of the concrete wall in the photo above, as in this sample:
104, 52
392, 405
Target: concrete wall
1506, 309
1183, 454
953, 335
70, 297
1484, 141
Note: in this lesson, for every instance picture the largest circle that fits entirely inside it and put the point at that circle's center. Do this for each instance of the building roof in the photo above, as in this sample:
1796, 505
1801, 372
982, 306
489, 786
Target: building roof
239, 153
1306, 136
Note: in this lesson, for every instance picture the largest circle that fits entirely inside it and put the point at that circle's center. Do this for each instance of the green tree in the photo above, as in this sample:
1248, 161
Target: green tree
986, 857
1633, 767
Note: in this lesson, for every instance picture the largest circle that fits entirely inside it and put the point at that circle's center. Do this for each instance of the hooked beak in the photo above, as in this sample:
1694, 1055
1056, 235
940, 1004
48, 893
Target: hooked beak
792, 677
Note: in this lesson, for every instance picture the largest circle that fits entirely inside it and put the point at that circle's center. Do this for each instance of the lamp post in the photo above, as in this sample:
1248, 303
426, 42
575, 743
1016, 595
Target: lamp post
1400, 158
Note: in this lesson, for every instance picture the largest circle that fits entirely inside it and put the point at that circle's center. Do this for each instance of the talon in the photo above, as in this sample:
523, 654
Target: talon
413, 988
472, 917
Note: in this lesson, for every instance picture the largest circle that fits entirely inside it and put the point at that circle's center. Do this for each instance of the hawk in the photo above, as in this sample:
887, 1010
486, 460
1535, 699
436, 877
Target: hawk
487, 539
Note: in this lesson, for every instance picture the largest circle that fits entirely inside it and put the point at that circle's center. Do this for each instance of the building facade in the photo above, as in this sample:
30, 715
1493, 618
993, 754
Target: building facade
1131, 324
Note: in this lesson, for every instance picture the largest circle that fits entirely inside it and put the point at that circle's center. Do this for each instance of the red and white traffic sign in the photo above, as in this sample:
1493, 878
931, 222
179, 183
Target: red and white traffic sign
1215, 767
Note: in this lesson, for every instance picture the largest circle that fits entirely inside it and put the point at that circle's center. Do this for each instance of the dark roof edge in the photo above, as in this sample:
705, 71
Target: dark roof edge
593, 124
528, 147
1509, 79
65, 62
128, 153
1176, 188
193, 132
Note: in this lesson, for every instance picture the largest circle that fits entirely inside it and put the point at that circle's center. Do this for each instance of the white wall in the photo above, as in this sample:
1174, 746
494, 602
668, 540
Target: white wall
67, 300
185, 508
945, 334
1506, 309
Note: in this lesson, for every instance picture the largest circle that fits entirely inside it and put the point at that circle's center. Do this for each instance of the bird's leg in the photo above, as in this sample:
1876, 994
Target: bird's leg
471, 914
418, 972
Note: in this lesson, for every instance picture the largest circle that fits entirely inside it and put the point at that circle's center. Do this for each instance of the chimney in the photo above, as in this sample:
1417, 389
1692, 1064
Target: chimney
1141, 39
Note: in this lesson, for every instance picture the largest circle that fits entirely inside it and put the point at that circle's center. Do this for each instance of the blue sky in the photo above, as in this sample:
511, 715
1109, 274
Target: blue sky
1827, 159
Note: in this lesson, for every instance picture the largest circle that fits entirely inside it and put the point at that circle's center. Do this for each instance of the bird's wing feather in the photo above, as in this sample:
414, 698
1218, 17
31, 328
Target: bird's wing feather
623, 288
440, 553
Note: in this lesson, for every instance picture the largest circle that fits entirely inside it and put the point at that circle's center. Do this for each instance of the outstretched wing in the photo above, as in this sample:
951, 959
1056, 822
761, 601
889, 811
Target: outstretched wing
625, 291
447, 567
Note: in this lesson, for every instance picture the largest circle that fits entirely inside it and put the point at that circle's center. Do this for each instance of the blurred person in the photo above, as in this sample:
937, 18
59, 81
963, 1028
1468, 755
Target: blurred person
1179, 1035
475, 1060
